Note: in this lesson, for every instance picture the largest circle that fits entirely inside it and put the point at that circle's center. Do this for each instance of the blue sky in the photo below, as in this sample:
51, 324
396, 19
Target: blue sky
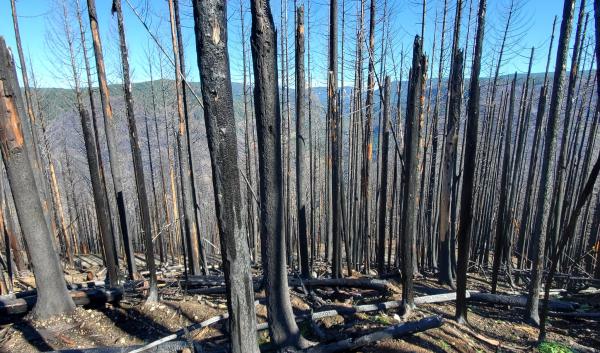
40, 26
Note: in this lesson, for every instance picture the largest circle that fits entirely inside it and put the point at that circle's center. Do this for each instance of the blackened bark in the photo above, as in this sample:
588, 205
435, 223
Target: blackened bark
414, 120
383, 198
467, 192
210, 26
334, 118
561, 170
545, 191
138, 166
300, 145
96, 178
447, 170
29, 125
282, 326
192, 201
501, 217
584, 195
53, 298
367, 147
109, 127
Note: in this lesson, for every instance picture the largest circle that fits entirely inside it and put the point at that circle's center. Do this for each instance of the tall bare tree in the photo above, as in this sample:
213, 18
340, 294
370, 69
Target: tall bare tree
301, 145
109, 126
210, 26
282, 326
52, 296
410, 209
138, 164
540, 226
467, 191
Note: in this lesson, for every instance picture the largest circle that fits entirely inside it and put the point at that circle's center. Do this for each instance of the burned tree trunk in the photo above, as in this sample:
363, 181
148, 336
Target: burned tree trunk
96, 177
301, 145
109, 126
467, 192
188, 165
414, 120
500, 249
384, 177
335, 121
282, 326
53, 298
138, 166
29, 128
367, 147
210, 26
446, 226
447, 170
545, 191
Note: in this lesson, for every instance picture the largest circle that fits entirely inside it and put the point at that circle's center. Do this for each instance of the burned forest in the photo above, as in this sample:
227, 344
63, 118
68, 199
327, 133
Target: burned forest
299, 176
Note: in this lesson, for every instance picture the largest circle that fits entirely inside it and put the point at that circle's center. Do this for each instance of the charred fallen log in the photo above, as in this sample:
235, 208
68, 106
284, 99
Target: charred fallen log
216, 284
390, 332
519, 301
94, 296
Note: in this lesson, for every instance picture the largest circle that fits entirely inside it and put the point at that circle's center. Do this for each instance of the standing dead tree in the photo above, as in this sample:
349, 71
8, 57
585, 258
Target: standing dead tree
383, 199
53, 298
96, 177
335, 120
466, 198
543, 205
414, 122
301, 145
186, 165
282, 326
29, 124
367, 147
449, 159
210, 26
109, 126
136, 152
500, 249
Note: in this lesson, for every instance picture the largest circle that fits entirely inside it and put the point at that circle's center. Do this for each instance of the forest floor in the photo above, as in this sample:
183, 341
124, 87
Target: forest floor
492, 328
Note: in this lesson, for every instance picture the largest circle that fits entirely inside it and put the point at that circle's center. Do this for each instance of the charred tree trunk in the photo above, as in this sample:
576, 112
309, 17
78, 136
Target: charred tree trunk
98, 192
210, 26
282, 326
190, 202
53, 298
109, 126
447, 172
29, 125
384, 177
545, 191
414, 121
300, 145
467, 192
367, 147
138, 166
334, 118
501, 217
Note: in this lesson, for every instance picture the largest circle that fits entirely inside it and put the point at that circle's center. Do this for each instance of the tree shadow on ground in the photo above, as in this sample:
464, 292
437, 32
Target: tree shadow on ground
136, 323
32, 335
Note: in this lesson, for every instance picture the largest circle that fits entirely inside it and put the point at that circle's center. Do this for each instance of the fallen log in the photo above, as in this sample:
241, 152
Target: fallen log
95, 296
395, 304
362, 283
167, 347
577, 315
216, 286
390, 332
332, 311
519, 301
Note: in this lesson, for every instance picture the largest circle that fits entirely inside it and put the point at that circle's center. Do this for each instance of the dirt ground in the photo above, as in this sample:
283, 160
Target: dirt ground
491, 329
